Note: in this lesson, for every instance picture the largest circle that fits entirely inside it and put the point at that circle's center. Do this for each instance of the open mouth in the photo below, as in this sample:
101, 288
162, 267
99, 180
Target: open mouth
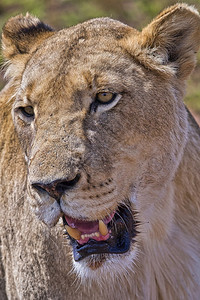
113, 234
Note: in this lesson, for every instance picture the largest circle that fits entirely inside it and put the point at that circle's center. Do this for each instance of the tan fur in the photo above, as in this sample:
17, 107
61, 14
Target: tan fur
144, 149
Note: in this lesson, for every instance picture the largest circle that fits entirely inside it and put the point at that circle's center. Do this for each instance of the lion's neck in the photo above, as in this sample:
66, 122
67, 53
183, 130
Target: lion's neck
174, 262
171, 262
186, 184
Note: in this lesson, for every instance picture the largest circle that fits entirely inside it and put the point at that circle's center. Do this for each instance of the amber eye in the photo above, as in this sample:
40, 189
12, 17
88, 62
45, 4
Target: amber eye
27, 111
105, 97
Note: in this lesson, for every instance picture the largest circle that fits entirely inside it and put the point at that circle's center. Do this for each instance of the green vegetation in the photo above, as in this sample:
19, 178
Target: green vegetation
64, 13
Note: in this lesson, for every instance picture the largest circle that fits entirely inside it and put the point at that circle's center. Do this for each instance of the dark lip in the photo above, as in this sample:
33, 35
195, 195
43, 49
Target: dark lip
123, 231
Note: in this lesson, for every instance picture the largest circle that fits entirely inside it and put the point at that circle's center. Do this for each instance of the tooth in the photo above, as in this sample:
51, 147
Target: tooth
73, 232
102, 228
97, 234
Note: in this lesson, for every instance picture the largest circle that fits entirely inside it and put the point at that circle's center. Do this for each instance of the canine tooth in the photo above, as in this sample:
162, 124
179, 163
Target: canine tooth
73, 232
102, 228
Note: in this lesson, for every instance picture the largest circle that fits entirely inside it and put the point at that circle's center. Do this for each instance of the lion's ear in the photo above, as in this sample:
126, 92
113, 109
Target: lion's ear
21, 35
169, 43
174, 38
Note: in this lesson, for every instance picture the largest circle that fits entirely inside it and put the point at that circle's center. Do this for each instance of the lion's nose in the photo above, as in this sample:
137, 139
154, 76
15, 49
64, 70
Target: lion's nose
56, 188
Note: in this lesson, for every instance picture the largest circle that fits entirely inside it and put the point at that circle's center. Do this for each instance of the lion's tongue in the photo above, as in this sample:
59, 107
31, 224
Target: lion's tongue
83, 226
87, 226
84, 230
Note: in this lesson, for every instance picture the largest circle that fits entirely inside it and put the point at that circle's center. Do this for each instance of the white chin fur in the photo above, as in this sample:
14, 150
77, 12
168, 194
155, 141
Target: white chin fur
115, 266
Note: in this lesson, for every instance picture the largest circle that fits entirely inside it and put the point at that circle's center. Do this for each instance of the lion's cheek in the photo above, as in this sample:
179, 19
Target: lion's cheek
46, 208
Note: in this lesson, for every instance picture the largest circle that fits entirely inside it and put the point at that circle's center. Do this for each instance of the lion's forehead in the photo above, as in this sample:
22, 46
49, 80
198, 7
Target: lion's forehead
88, 46
61, 71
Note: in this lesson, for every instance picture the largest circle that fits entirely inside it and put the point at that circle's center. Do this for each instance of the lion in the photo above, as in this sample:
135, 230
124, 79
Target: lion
100, 169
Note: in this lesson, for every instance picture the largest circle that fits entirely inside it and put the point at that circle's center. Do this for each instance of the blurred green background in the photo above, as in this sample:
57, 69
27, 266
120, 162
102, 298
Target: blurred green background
65, 13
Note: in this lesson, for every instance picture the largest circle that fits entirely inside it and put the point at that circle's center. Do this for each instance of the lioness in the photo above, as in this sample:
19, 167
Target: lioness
103, 147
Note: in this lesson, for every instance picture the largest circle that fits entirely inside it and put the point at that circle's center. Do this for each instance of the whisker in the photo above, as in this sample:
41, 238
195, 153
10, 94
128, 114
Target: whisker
122, 220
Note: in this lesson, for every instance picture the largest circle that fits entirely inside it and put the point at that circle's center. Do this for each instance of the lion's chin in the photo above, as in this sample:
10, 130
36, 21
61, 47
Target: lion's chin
98, 267
120, 234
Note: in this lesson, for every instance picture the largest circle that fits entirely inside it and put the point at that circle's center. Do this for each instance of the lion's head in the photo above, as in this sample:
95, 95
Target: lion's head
98, 111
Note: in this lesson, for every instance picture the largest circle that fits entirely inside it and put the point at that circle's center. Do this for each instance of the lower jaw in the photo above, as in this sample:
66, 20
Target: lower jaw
109, 246
122, 235
100, 266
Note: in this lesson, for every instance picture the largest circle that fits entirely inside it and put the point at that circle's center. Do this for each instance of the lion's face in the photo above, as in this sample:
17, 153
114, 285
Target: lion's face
102, 140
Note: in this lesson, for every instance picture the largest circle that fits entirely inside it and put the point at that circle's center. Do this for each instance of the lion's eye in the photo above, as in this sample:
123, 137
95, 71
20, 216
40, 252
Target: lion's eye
105, 97
104, 101
27, 111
